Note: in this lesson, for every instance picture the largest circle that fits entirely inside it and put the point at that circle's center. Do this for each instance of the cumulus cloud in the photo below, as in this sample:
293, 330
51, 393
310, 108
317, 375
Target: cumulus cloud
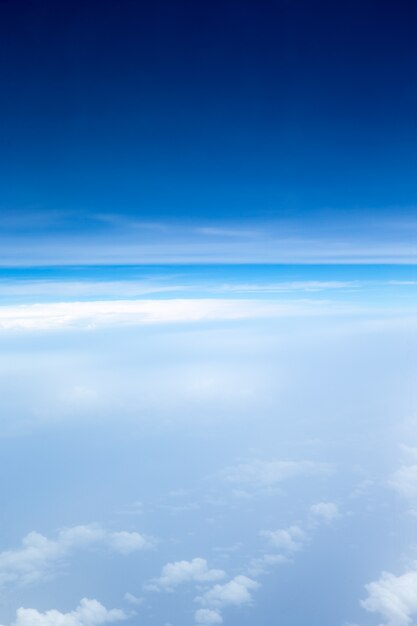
289, 539
38, 554
325, 512
208, 616
262, 564
292, 539
404, 481
233, 593
394, 598
174, 574
88, 613
270, 473
125, 542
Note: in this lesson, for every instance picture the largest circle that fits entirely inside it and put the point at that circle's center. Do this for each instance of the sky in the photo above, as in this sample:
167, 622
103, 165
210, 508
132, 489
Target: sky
219, 132
208, 325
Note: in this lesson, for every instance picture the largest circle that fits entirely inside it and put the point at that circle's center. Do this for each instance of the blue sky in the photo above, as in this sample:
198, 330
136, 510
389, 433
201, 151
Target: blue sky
208, 313
221, 133
242, 115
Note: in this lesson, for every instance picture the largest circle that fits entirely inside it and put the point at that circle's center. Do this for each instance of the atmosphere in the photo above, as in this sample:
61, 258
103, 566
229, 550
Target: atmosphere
208, 313
226, 131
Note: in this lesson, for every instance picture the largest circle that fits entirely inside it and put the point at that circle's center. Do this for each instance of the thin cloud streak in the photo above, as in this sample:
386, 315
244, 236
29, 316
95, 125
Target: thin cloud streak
60, 315
113, 239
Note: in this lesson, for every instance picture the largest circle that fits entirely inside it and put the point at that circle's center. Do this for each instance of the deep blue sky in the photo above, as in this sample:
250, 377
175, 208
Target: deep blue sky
221, 110
208, 331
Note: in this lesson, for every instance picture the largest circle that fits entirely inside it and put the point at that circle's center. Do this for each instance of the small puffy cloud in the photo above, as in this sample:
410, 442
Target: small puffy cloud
208, 616
394, 598
268, 474
262, 564
409, 452
88, 613
234, 593
324, 512
132, 599
38, 554
289, 539
404, 481
174, 574
125, 542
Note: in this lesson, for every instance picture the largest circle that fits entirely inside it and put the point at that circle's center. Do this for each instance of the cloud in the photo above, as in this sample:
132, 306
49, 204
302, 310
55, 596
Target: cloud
121, 240
293, 538
38, 554
132, 599
125, 542
208, 616
290, 539
286, 287
325, 512
73, 289
88, 613
270, 473
262, 564
174, 574
404, 481
234, 593
393, 597
60, 315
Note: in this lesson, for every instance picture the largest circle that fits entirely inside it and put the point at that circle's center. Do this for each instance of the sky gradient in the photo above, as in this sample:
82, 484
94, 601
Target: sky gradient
208, 324
273, 132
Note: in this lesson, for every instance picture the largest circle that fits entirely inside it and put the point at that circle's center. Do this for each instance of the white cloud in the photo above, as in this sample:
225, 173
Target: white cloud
38, 554
262, 564
66, 289
325, 512
233, 593
293, 538
88, 613
289, 539
404, 481
124, 241
394, 598
285, 287
269, 473
132, 599
174, 574
125, 542
59, 315
208, 616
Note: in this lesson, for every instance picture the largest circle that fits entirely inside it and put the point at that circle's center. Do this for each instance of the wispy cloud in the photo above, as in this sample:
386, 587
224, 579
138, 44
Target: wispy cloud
58, 315
288, 287
61, 238
264, 474
67, 289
